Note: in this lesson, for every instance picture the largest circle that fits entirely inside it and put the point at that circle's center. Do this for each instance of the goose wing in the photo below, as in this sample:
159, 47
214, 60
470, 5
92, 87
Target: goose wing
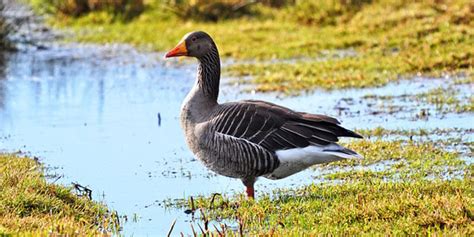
275, 127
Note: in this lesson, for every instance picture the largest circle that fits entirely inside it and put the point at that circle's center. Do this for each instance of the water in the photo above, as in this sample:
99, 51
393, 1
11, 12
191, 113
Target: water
108, 118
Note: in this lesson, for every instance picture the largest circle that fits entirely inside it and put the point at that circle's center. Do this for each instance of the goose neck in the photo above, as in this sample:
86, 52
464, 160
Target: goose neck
209, 73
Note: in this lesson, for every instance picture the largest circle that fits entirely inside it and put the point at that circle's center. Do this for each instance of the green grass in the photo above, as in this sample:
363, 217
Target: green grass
445, 99
392, 40
423, 189
381, 132
359, 207
29, 205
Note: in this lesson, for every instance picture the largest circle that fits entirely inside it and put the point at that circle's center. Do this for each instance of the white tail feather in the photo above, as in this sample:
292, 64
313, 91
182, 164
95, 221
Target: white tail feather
344, 155
297, 159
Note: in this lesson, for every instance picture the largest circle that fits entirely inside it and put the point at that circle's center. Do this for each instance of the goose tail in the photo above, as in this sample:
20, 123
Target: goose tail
342, 152
297, 159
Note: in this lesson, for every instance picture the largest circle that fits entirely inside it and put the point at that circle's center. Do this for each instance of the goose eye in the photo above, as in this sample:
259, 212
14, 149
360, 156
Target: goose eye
193, 39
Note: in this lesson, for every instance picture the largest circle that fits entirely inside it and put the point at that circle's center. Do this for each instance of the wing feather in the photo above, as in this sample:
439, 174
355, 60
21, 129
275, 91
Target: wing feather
275, 127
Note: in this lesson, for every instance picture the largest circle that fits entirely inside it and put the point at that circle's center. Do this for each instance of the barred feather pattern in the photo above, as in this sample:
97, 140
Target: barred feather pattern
259, 129
209, 73
241, 139
239, 158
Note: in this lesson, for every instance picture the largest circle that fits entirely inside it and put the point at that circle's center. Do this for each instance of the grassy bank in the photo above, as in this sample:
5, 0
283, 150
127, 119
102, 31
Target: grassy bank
407, 184
30, 205
388, 40
363, 206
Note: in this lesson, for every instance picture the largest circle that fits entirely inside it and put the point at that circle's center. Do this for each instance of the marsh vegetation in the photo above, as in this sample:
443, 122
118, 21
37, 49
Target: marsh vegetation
400, 72
31, 205
390, 40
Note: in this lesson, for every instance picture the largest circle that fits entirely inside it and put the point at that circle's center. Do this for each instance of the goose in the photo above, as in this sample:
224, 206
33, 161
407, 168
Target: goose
251, 138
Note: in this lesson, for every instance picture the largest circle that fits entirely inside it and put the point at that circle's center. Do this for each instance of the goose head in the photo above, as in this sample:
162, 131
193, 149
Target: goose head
195, 44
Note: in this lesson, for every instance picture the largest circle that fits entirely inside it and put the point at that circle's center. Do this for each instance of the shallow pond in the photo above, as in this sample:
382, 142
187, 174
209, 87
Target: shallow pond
108, 118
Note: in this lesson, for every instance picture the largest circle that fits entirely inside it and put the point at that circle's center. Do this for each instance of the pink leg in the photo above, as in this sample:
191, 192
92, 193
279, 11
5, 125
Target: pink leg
248, 182
250, 192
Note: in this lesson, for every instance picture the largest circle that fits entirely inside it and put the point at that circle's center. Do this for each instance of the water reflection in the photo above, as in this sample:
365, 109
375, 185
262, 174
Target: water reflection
93, 112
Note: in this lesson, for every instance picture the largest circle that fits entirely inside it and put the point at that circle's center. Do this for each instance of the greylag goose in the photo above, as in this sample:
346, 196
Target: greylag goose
251, 138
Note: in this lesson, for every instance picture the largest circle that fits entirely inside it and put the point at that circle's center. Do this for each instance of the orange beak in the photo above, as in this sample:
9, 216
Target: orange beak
179, 50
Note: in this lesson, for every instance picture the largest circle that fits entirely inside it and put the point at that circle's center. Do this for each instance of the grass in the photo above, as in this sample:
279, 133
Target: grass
405, 185
444, 99
30, 205
392, 40
418, 188
123, 10
359, 207
381, 132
